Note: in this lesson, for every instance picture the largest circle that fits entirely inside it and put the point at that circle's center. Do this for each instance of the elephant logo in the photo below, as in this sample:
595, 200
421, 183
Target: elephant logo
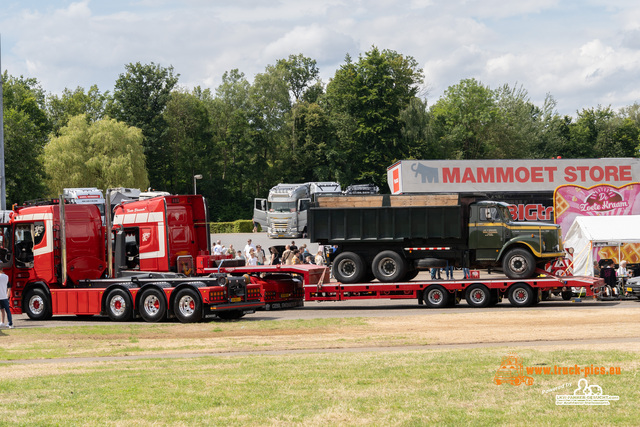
426, 173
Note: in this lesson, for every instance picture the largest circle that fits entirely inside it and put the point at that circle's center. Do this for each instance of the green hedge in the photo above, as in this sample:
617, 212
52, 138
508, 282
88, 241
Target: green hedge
239, 226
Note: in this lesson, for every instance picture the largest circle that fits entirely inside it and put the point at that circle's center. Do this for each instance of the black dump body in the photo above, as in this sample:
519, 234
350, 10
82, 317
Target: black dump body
414, 226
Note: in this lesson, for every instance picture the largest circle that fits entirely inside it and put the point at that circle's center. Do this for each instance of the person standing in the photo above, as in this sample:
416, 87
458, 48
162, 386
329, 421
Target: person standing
4, 297
217, 248
261, 255
248, 248
288, 253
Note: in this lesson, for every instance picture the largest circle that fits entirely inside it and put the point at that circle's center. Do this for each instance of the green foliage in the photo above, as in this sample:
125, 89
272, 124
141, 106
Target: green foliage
73, 103
103, 154
140, 96
238, 226
26, 127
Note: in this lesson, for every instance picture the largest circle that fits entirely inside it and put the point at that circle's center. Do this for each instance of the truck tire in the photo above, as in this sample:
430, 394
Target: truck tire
518, 263
38, 306
521, 295
389, 266
436, 296
119, 306
187, 306
478, 295
230, 315
348, 267
152, 305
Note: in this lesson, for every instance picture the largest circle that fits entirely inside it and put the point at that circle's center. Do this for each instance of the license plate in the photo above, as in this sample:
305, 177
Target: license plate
236, 299
285, 295
629, 290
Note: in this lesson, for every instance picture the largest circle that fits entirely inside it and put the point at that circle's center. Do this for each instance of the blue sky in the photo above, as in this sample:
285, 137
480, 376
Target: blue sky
583, 53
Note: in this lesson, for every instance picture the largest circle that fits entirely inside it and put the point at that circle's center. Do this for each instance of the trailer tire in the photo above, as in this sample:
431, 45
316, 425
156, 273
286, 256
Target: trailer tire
348, 267
389, 266
187, 306
518, 263
436, 296
230, 315
152, 305
119, 306
478, 295
38, 305
521, 295
567, 295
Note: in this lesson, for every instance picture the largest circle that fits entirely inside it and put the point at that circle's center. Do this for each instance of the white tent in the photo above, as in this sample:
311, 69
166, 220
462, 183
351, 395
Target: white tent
588, 232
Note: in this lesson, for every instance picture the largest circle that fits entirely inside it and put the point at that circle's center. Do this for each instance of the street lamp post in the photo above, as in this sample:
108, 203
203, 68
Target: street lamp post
196, 177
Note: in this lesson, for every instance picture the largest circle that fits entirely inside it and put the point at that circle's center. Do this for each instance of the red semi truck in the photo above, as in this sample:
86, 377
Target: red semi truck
57, 260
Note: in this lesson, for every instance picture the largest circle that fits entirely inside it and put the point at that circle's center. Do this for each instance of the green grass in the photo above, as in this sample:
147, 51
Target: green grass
390, 388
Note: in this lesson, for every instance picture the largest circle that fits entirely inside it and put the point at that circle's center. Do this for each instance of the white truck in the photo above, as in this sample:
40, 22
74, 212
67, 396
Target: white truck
284, 212
85, 196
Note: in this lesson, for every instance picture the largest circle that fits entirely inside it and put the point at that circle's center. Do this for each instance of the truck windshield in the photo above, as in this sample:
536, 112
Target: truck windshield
506, 214
282, 206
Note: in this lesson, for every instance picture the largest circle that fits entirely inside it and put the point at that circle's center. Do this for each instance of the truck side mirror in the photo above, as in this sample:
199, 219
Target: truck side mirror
120, 258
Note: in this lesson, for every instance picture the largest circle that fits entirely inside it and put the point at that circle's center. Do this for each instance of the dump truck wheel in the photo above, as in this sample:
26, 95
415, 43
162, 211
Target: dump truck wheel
478, 295
436, 297
389, 266
521, 295
518, 263
348, 267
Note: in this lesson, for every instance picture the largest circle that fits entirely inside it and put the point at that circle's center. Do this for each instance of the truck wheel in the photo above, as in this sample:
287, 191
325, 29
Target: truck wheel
348, 267
389, 266
567, 295
119, 305
187, 306
478, 295
38, 306
518, 263
230, 315
521, 295
152, 306
436, 297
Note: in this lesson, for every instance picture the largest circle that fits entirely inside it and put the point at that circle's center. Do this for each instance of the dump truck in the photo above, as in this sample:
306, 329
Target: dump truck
392, 238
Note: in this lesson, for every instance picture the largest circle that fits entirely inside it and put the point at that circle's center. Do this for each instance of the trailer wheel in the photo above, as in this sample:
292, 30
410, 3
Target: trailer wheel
119, 305
230, 315
436, 297
567, 295
478, 295
518, 263
521, 295
389, 266
187, 306
38, 306
152, 306
348, 267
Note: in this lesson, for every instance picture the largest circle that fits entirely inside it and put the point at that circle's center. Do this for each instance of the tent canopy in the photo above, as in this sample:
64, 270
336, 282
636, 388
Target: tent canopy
587, 232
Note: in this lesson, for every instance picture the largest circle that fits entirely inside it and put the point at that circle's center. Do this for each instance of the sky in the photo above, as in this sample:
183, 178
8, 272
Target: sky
583, 53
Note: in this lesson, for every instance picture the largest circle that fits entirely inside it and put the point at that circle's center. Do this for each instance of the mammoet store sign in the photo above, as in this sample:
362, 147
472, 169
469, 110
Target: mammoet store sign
542, 175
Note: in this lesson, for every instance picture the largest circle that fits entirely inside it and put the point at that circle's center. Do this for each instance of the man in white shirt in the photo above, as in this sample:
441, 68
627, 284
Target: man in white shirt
4, 297
247, 249
217, 248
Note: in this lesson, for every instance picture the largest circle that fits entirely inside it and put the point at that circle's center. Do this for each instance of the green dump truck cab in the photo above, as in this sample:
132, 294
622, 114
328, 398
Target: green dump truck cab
392, 243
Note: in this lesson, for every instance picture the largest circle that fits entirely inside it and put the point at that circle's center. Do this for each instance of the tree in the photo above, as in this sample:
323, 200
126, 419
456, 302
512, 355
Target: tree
72, 103
103, 154
139, 98
25, 133
365, 100
298, 71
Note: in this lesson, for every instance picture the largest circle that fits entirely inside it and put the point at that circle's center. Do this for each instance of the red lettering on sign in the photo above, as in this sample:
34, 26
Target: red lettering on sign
611, 173
583, 172
505, 174
625, 173
396, 180
536, 174
570, 174
451, 175
596, 173
551, 170
468, 176
522, 174
486, 175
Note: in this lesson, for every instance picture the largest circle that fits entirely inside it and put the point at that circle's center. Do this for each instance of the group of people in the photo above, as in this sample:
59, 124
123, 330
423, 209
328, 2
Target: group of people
255, 255
614, 279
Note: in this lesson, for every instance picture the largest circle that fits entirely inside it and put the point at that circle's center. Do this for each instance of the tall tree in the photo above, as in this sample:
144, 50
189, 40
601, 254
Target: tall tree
72, 103
299, 72
365, 100
139, 98
26, 128
103, 154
